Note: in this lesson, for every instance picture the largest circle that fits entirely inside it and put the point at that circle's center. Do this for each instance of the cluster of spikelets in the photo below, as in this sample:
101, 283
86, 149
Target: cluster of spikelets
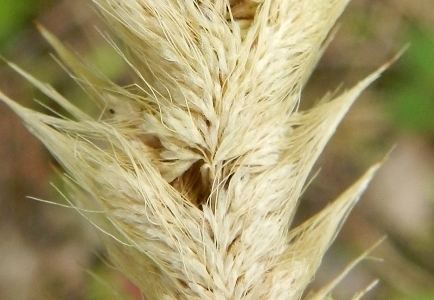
194, 172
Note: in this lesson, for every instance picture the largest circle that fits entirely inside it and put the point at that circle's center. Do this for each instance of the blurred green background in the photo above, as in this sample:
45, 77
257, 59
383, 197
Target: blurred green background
51, 253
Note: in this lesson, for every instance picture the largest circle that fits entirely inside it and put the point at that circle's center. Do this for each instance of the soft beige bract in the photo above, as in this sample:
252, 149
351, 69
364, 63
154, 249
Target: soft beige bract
197, 168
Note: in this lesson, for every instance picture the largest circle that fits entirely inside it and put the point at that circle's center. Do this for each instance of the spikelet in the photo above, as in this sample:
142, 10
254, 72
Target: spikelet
197, 168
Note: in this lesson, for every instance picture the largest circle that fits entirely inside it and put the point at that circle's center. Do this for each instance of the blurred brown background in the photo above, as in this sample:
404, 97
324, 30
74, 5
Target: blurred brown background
48, 252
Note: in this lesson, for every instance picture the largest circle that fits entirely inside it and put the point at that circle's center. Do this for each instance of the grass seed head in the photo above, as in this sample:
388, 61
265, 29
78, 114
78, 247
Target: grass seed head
198, 167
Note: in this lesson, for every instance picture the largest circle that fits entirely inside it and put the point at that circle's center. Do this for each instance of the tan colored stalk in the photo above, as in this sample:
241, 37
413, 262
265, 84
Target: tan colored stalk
197, 168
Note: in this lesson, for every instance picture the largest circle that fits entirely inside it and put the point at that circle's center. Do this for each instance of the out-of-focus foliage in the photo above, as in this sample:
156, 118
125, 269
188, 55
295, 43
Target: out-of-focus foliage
411, 93
13, 16
424, 296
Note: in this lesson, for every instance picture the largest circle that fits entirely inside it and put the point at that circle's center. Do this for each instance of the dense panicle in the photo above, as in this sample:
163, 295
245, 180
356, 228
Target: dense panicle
197, 168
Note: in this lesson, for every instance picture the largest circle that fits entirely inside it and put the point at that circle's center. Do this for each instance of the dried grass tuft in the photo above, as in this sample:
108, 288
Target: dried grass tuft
196, 170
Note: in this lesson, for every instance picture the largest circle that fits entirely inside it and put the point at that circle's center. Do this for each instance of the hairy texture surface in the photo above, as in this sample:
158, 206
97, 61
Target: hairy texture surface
197, 168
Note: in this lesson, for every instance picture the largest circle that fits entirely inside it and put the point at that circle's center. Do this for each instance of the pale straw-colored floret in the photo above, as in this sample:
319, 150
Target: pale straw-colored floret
196, 170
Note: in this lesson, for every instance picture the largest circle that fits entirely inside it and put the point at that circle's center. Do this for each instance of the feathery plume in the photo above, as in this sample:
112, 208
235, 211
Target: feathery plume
197, 168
